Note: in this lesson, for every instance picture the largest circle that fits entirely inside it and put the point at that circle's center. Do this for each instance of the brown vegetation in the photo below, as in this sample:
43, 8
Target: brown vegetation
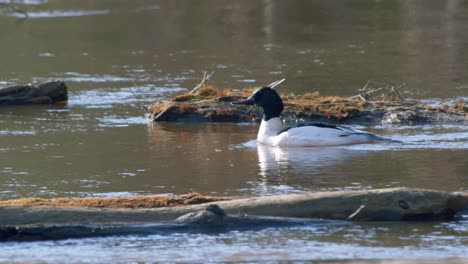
152, 201
210, 104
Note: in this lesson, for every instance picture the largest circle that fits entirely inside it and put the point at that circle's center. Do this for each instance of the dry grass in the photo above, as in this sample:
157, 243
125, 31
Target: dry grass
204, 92
157, 107
460, 106
308, 104
152, 201
219, 114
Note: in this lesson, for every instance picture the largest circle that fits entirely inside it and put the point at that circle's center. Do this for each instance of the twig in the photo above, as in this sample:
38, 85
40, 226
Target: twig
360, 96
351, 216
139, 101
366, 94
365, 86
398, 91
163, 111
386, 93
205, 77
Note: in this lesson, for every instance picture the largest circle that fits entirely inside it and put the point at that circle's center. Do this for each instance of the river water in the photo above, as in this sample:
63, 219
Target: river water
117, 56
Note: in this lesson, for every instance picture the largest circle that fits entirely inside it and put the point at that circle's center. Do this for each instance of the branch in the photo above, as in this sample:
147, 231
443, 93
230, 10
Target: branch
205, 77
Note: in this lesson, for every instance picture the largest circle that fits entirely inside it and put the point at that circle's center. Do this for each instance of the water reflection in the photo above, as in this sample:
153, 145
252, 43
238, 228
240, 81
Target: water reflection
300, 160
286, 170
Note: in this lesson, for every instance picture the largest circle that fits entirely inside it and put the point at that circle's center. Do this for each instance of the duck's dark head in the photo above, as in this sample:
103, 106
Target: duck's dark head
268, 99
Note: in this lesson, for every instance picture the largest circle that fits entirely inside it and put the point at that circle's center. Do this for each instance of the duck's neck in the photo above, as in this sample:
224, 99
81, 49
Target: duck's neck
268, 130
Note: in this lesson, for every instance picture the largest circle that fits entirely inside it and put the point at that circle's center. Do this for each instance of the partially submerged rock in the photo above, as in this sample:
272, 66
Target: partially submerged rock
54, 92
213, 105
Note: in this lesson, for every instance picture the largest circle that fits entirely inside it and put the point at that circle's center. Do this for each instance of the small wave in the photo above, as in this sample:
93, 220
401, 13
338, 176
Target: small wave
105, 98
249, 144
106, 194
437, 101
16, 132
56, 14
452, 140
24, 2
83, 77
115, 121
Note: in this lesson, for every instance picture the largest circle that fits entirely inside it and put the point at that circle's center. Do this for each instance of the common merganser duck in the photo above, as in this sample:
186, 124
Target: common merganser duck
271, 130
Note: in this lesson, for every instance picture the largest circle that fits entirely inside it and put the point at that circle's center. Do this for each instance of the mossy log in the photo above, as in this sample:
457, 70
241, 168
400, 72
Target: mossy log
54, 92
394, 204
213, 105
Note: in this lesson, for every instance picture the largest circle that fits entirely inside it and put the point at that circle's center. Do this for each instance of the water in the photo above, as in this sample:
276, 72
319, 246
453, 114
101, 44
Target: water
117, 56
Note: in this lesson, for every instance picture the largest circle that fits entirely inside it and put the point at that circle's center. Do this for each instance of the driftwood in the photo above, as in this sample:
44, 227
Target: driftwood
394, 204
54, 92
213, 105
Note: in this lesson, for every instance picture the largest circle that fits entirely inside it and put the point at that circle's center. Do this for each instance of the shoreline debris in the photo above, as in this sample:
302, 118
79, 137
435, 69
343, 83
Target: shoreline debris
54, 92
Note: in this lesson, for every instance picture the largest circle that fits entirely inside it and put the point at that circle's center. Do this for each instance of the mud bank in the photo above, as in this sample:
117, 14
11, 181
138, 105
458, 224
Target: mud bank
213, 105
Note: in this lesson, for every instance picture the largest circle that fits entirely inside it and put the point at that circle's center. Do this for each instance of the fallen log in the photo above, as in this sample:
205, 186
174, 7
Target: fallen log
208, 103
54, 92
394, 204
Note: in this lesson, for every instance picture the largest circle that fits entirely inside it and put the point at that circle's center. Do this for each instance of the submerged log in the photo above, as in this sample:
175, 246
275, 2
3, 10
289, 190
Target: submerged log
213, 105
202, 221
54, 92
394, 204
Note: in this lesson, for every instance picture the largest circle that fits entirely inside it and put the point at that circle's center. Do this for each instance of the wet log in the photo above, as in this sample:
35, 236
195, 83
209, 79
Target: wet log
394, 204
54, 92
212, 105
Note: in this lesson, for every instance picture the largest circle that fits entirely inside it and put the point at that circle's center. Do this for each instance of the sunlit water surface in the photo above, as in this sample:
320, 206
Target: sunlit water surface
117, 56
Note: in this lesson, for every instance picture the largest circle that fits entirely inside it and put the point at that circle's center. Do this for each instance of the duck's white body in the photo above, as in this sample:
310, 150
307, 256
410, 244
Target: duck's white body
271, 130
310, 135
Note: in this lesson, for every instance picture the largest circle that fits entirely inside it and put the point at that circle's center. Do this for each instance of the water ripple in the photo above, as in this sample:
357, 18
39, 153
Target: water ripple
58, 13
106, 97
